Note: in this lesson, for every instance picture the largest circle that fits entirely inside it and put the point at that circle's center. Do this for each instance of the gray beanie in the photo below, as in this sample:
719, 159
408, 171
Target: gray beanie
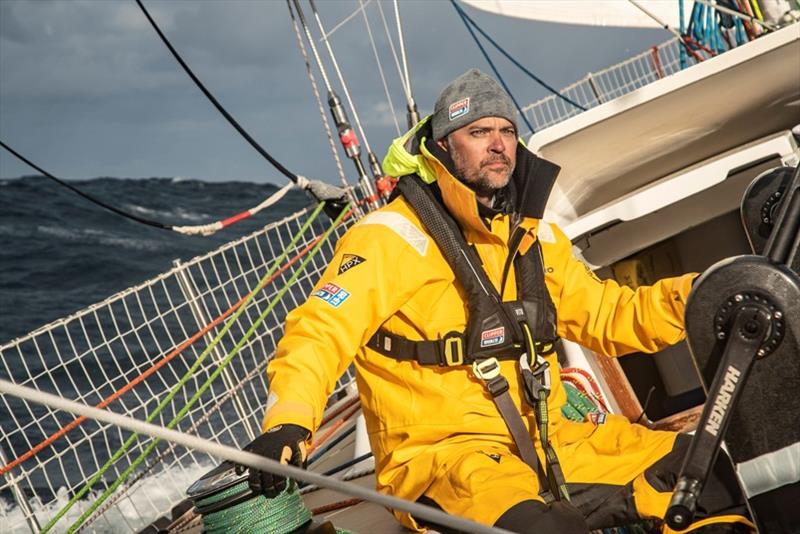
470, 97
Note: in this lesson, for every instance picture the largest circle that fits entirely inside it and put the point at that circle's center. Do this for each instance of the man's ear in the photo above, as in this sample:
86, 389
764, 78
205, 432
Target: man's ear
443, 144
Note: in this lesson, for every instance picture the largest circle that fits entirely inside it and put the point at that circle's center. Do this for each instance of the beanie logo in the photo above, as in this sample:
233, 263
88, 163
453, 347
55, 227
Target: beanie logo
459, 108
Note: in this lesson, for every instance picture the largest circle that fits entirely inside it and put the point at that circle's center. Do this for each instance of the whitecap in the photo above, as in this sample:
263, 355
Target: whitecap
152, 497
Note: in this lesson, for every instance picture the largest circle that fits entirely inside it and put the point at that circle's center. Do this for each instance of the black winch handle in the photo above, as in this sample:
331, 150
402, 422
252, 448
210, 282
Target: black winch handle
751, 326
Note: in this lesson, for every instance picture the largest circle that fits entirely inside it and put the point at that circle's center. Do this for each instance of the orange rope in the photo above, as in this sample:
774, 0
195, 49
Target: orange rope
328, 433
335, 506
114, 396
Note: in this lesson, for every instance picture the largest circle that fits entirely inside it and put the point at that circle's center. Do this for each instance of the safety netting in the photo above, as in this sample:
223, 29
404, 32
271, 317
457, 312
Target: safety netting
186, 349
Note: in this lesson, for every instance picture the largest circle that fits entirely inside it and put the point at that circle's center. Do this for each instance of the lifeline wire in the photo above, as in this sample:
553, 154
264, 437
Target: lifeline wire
514, 61
253, 461
275, 163
465, 20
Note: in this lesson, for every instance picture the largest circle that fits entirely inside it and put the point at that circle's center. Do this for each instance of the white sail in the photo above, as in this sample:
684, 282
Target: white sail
622, 13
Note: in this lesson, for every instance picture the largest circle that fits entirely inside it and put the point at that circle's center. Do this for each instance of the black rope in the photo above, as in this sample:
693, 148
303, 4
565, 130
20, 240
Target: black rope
494, 69
286, 172
87, 196
514, 61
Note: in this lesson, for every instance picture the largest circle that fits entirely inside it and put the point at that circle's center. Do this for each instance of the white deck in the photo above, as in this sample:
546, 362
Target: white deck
724, 102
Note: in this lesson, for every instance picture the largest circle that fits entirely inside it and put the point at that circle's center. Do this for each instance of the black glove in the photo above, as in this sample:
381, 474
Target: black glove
285, 444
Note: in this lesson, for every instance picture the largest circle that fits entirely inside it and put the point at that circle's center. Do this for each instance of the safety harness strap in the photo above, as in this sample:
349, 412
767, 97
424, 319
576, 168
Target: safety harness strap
488, 370
446, 352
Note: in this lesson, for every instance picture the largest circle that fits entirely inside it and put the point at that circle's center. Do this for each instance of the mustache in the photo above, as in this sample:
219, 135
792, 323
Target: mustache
501, 158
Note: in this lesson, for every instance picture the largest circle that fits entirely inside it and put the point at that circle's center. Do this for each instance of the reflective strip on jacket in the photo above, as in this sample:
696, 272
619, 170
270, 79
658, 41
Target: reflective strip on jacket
417, 415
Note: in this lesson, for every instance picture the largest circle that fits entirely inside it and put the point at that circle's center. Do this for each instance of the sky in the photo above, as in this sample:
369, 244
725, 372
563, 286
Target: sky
87, 89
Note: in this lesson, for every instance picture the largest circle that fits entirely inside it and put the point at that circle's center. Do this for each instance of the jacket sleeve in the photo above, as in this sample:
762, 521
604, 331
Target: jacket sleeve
363, 285
602, 315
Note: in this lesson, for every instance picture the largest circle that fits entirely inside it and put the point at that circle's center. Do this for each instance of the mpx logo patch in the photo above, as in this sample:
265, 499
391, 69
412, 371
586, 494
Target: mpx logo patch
332, 294
349, 261
459, 108
495, 336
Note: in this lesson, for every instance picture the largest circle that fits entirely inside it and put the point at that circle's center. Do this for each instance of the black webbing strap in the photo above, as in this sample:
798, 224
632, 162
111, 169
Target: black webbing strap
489, 371
446, 352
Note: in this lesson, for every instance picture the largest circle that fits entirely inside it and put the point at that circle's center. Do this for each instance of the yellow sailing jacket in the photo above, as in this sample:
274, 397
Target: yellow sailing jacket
387, 272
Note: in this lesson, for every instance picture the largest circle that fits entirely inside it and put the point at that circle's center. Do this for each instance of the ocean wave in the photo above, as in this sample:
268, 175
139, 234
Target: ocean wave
99, 237
177, 213
153, 497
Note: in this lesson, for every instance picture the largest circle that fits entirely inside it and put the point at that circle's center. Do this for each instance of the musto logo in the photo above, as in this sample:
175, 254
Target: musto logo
723, 400
492, 337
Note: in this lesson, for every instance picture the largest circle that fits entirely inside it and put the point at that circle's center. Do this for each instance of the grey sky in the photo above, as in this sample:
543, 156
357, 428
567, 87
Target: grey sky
87, 89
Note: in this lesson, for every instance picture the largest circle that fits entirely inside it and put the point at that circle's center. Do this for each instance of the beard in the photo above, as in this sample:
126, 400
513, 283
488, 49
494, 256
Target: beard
483, 180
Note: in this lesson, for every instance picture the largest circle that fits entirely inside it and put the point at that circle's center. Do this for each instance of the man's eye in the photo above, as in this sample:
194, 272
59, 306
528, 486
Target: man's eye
478, 133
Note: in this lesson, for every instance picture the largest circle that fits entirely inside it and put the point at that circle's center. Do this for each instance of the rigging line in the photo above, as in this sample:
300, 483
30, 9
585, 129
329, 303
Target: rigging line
380, 67
394, 52
275, 163
735, 13
339, 76
315, 90
312, 45
87, 196
402, 48
683, 39
345, 20
200, 229
491, 64
515, 62
412, 115
247, 459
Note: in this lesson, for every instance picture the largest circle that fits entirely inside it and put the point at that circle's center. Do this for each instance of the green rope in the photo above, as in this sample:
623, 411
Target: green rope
285, 513
228, 324
578, 405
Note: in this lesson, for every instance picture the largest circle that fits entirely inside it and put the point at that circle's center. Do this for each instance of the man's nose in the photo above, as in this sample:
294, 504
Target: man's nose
497, 144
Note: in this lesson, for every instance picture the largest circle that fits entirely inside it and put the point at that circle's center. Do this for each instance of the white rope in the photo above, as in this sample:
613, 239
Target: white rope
209, 229
340, 77
394, 52
345, 20
380, 67
248, 459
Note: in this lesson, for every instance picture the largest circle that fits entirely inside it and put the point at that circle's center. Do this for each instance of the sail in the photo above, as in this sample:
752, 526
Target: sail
621, 13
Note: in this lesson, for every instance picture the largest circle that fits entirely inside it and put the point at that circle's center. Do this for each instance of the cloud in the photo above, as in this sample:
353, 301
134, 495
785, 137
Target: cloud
87, 88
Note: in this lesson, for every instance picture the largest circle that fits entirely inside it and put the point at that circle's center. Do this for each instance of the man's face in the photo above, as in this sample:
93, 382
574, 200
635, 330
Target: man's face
484, 153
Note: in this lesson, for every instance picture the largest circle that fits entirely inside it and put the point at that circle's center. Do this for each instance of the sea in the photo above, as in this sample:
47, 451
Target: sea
60, 253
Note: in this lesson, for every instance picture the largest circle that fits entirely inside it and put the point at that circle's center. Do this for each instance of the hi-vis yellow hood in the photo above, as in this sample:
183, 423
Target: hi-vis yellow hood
530, 183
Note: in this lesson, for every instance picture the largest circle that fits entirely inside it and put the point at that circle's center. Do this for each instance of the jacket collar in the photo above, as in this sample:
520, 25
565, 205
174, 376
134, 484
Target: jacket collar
527, 192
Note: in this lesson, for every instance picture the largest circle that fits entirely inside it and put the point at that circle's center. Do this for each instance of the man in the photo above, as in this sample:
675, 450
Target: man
450, 300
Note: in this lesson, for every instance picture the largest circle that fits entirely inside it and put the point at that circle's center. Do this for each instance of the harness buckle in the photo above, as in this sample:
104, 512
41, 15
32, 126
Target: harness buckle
453, 350
486, 369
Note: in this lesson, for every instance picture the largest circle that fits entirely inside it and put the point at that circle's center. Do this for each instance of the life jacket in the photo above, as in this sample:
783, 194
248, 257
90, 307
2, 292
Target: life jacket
523, 329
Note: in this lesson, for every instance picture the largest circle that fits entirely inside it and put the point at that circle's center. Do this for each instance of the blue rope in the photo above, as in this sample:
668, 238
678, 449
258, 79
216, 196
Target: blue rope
514, 61
489, 60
